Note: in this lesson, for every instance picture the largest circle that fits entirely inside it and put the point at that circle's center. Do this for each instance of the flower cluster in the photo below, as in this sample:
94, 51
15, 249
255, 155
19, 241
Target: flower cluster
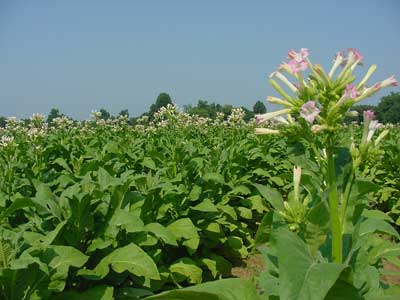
6, 141
321, 97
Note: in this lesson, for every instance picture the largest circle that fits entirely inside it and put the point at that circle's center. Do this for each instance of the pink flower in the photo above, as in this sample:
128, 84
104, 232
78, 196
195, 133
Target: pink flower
357, 54
297, 66
368, 115
309, 111
298, 56
259, 119
350, 55
351, 91
391, 81
297, 60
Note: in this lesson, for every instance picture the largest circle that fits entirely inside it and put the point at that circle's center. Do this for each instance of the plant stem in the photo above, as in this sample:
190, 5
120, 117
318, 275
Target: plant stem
346, 196
334, 210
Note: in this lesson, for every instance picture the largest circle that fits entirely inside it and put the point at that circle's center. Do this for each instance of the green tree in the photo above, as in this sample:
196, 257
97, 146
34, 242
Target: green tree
360, 109
54, 113
124, 112
105, 115
2, 122
388, 109
248, 114
259, 108
163, 100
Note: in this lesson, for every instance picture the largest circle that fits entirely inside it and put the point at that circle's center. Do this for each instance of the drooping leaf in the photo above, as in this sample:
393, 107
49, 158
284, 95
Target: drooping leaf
101, 292
264, 229
184, 229
185, 268
59, 259
129, 258
272, 196
300, 276
375, 225
225, 289
16, 205
162, 232
205, 206
131, 293
214, 177
126, 220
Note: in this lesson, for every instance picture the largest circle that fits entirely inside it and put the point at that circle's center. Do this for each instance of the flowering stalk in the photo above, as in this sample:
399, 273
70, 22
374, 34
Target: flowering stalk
337, 244
323, 103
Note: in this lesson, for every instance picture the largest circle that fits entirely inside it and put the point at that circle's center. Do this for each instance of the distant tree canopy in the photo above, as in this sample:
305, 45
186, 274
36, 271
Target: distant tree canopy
360, 109
162, 100
124, 113
210, 110
54, 113
3, 122
259, 108
207, 110
105, 115
388, 109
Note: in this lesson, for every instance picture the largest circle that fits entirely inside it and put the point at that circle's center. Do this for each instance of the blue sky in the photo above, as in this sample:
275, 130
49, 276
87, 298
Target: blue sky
84, 55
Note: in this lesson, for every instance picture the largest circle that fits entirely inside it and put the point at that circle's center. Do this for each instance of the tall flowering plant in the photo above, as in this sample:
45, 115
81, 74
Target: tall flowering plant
323, 228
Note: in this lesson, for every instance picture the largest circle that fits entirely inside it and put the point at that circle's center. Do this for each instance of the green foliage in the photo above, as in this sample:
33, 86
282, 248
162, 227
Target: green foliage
104, 210
162, 100
110, 213
208, 110
388, 109
54, 113
2, 122
259, 108
104, 114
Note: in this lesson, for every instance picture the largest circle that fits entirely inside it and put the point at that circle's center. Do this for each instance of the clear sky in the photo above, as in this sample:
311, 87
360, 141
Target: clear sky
84, 55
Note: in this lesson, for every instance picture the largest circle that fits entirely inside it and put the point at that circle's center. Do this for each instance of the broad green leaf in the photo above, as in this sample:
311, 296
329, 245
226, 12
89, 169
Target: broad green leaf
149, 163
269, 284
264, 229
376, 214
205, 206
40, 240
186, 269
63, 163
20, 283
106, 180
228, 210
343, 291
184, 229
129, 258
241, 189
225, 289
317, 227
374, 225
271, 195
59, 259
131, 293
46, 200
101, 292
122, 219
244, 212
16, 205
162, 233
217, 265
195, 193
277, 180
258, 204
301, 277
215, 177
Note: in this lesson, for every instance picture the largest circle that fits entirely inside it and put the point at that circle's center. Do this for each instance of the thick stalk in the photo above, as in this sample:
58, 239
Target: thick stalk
334, 210
346, 196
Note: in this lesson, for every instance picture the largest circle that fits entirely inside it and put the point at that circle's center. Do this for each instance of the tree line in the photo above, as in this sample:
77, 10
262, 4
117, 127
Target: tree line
387, 110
